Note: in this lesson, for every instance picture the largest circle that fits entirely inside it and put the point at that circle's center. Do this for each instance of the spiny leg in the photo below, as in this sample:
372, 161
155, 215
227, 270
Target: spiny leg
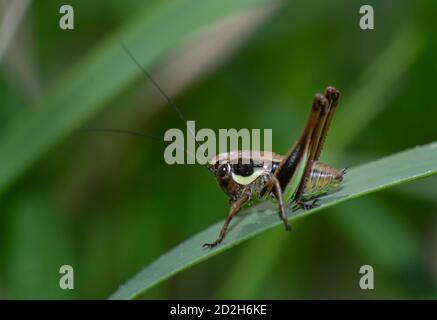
313, 144
288, 172
234, 209
274, 186
333, 95
278, 194
316, 144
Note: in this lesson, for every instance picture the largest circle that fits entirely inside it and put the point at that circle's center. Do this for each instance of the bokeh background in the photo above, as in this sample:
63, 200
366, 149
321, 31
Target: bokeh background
108, 204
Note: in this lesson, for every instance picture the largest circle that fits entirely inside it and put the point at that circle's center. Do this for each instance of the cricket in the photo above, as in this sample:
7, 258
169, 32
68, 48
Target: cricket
297, 179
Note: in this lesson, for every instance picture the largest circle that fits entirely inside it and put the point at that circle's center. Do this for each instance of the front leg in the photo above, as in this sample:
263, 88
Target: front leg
234, 209
275, 186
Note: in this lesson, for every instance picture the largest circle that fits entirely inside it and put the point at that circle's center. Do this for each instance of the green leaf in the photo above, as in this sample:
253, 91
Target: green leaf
399, 168
155, 32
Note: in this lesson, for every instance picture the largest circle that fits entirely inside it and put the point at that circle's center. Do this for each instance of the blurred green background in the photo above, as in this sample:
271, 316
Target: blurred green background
108, 204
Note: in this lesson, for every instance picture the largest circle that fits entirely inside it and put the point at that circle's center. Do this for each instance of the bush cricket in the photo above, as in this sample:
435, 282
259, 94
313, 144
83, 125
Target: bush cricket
297, 178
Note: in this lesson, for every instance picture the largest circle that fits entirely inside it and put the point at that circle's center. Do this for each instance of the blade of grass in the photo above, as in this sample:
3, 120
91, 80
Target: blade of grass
389, 171
105, 72
244, 279
10, 21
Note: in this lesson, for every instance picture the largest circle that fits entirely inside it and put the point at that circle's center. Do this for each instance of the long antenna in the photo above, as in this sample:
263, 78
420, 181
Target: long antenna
130, 133
165, 95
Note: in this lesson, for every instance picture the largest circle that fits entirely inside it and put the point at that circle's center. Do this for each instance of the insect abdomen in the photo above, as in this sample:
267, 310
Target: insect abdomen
322, 179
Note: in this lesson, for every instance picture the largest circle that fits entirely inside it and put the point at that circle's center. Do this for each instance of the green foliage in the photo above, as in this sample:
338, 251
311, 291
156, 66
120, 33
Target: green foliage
94, 78
378, 175
108, 205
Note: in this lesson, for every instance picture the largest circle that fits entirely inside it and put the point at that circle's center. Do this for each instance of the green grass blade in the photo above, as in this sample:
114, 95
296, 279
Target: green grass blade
399, 168
80, 94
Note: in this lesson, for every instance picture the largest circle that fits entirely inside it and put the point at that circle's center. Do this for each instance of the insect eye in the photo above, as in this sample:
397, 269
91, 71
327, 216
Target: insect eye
222, 171
243, 170
274, 167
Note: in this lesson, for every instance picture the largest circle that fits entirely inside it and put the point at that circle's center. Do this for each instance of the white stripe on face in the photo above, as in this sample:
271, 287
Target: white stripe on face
249, 179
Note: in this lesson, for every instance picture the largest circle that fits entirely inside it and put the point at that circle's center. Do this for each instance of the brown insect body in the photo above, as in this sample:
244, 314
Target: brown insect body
294, 178
235, 169
322, 179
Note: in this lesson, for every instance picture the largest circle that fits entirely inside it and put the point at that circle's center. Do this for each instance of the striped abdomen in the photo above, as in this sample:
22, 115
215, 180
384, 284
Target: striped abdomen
322, 179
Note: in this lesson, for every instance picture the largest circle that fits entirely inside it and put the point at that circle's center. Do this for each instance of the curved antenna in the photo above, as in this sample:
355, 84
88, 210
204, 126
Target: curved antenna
130, 133
167, 98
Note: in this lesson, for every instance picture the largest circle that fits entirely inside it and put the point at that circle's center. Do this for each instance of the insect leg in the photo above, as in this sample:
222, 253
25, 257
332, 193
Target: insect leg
280, 198
333, 95
234, 209
291, 170
317, 141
